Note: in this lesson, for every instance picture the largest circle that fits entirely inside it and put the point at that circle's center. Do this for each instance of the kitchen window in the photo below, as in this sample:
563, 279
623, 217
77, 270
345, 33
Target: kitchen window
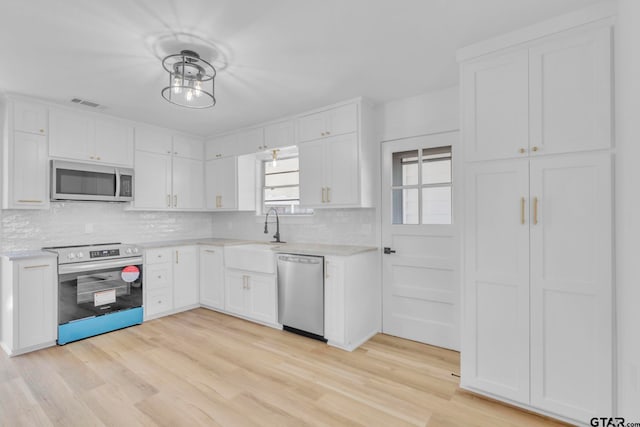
421, 192
281, 187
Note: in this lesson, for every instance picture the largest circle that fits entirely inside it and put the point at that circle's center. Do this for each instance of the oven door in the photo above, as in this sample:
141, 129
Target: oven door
92, 289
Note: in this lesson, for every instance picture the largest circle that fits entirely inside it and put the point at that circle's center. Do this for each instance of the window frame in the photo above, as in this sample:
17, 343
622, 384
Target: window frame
263, 187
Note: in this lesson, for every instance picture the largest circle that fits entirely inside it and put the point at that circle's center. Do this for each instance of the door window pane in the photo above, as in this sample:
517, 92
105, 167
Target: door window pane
405, 206
405, 168
436, 205
436, 171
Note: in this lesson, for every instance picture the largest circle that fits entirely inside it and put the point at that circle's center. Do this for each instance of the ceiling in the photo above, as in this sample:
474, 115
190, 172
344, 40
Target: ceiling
276, 57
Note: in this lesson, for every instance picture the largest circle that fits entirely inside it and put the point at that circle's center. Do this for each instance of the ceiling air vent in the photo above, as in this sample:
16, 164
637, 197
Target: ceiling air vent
86, 103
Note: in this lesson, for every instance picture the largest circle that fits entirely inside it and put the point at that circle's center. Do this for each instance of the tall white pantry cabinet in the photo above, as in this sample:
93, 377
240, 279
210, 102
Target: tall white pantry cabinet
538, 282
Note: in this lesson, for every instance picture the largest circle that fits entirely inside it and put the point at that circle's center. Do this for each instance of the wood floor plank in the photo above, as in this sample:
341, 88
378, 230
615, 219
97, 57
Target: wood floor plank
205, 368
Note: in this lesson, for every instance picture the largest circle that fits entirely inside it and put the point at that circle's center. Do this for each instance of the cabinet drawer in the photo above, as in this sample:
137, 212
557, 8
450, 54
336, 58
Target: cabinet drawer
157, 256
158, 302
158, 276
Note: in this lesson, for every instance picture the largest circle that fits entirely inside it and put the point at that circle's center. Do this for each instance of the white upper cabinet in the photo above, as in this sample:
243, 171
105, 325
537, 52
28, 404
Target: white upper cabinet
570, 86
230, 183
333, 122
84, 137
336, 167
169, 171
552, 96
25, 163
279, 135
30, 117
153, 140
187, 147
495, 106
222, 146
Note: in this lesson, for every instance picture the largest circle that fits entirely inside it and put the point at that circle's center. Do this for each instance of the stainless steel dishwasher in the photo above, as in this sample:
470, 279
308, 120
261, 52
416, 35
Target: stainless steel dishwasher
301, 294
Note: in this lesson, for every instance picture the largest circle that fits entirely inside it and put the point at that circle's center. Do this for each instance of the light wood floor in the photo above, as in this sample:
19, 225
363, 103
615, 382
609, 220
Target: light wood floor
204, 368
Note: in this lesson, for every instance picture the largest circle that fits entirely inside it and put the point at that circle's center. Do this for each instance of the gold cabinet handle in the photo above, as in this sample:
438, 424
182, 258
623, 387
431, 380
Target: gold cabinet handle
328, 194
41, 130
91, 157
522, 150
535, 149
210, 251
323, 196
326, 269
328, 133
522, 202
535, 210
177, 257
98, 158
36, 266
29, 201
175, 201
168, 200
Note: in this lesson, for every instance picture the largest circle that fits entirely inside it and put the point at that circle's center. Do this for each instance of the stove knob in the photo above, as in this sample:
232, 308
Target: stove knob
80, 255
71, 255
128, 250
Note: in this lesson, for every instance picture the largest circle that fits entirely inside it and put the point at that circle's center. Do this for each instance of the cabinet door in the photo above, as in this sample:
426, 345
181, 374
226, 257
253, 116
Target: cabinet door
222, 146
188, 183
152, 180
158, 276
313, 126
334, 317
251, 141
342, 120
312, 164
341, 170
37, 300
31, 118
279, 135
190, 148
153, 140
220, 184
158, 301
185, 277
571, 92
262, 297
495, 100
495, 351
71, 136
212, 276
571, 285
113, 143
235, 284
28, 179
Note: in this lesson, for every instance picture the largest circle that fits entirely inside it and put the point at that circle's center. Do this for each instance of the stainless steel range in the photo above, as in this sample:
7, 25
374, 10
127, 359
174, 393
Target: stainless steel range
99, 289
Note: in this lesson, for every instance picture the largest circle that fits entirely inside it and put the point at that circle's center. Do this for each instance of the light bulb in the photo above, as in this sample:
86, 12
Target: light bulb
198, 89
189, 95
274, 156
177, 83
274, 163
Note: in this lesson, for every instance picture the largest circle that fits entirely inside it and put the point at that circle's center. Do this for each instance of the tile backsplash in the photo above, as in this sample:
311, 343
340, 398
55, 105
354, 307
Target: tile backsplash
70, 223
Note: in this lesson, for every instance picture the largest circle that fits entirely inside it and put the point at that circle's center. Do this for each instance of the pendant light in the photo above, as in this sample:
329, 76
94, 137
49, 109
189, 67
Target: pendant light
191, 80
274, 158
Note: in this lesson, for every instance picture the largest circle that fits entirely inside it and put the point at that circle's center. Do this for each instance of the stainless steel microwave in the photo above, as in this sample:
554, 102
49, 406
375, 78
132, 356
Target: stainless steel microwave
83, 181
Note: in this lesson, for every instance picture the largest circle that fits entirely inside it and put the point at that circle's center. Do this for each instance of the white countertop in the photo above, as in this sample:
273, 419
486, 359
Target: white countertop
18, 255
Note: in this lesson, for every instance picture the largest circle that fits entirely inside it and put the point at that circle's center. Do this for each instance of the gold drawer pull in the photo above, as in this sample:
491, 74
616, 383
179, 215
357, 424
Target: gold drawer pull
522, 210
36, 266
535, 210
29, 201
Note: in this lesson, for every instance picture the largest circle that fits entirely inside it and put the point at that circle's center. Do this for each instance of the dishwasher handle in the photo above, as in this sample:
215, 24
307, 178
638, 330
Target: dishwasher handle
299, 259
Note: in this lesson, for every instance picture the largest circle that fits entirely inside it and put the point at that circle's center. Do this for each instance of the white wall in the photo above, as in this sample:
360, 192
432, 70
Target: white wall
628, 207
66, 224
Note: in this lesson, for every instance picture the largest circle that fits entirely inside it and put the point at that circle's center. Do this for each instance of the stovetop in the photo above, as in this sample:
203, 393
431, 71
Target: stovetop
95, 252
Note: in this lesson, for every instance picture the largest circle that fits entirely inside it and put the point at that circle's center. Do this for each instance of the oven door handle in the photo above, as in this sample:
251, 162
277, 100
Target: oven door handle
99, 265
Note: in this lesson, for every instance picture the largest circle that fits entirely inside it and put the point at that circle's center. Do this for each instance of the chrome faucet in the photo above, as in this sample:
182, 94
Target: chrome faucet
266, 230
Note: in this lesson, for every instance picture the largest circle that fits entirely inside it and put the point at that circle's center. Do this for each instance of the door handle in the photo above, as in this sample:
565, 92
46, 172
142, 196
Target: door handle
177, 257
535, 211
323, 195
168, 200
388, 251
328, 194
522, 210
175, 201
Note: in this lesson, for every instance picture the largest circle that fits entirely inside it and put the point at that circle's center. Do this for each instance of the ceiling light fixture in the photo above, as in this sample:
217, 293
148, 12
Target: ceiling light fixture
274, 157
191, 80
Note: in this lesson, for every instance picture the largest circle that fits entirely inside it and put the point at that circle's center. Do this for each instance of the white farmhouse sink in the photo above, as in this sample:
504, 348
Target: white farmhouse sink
252, 257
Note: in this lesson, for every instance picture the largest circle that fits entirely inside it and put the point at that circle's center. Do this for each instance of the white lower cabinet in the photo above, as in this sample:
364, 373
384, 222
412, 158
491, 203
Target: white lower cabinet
212, 277
170, 280
352, 299
29, 304
251, 295
538, 289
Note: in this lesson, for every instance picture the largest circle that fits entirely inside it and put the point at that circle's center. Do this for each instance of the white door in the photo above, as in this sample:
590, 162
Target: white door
188, 183
420, 294
495, 111
191, 148
220, 183
37, 298
153, 180
571, 92
235, 284
153, 140
312, 127
185, 277
212, 277
495, 350
261, 297
341, 177
334, 296
113, 143
29, 171
279, 135
31, 118
571, 285
342, 120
